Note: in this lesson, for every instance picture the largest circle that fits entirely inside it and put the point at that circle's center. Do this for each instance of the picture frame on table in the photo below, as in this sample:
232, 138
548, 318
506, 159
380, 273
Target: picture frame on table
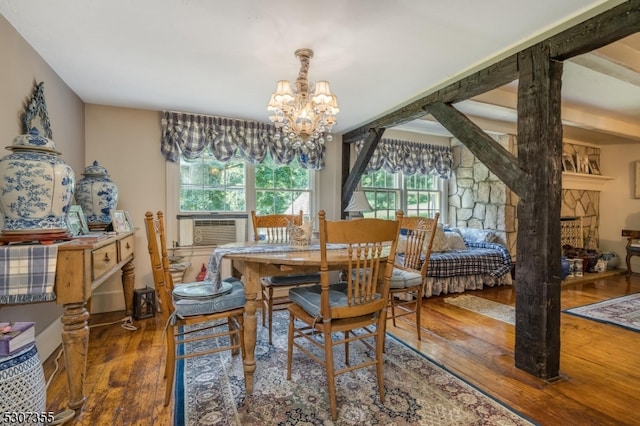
73, 223
594, 166
77, 210
127, 215
119, 221
568, 165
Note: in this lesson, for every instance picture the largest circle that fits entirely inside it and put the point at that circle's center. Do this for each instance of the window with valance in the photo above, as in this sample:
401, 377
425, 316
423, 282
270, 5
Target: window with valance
409, 158
190, 135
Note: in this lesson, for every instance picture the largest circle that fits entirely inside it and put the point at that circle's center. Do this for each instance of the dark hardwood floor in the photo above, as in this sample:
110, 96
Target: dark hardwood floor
599, 383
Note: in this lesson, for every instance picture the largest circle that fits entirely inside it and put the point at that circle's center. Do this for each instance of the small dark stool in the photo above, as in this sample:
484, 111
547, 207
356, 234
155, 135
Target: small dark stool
144, 303
632, 250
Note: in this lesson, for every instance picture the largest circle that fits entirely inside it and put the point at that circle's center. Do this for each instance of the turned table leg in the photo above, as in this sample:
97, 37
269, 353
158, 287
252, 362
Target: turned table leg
75, 341
128, 284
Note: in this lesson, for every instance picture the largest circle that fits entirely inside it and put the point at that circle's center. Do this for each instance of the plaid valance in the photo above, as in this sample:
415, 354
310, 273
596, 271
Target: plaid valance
409, 158
190, 134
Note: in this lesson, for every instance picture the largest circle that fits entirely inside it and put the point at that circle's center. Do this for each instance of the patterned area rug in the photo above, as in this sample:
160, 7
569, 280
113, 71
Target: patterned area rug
488, 308
210, 390
623, 311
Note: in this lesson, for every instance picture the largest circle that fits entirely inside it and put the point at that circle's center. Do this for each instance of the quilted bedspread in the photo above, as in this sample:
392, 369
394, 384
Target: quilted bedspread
479, 259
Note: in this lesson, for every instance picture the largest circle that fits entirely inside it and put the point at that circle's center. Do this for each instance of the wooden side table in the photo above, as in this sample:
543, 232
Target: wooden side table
632, 249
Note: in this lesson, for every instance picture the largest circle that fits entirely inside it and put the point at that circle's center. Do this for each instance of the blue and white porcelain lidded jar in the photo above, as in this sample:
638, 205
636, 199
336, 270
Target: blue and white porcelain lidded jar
36, 188
97, 195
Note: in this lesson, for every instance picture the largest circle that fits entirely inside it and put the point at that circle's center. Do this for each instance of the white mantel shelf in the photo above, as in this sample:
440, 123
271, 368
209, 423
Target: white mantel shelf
584, 181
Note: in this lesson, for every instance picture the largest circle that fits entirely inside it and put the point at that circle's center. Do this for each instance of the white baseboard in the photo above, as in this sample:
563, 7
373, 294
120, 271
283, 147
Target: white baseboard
49, 340
108, 301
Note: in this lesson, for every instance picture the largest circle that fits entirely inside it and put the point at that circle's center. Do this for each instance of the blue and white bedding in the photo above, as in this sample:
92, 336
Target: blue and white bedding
455, 271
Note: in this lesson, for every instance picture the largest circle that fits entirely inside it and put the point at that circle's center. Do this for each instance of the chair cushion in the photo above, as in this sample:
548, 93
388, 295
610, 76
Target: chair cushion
403, 279
308, 297
185, 306
292, 279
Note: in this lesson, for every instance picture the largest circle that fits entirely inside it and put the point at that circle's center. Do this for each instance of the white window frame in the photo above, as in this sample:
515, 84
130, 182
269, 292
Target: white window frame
173, 196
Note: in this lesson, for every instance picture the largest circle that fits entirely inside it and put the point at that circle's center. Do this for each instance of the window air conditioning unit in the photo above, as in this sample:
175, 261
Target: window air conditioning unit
211, 232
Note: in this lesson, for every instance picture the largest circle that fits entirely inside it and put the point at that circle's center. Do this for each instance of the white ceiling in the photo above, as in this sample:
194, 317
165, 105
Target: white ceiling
224, 58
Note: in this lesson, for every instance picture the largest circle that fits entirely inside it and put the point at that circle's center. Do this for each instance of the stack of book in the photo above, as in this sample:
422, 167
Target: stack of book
15, 336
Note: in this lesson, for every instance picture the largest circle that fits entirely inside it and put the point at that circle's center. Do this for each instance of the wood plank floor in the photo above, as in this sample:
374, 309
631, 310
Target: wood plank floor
599, 383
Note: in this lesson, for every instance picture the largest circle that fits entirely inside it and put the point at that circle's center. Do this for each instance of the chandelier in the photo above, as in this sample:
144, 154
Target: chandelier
304, 117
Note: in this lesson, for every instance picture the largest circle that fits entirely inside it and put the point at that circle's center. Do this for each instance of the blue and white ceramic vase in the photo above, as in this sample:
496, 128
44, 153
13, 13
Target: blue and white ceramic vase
36, 188
97, 195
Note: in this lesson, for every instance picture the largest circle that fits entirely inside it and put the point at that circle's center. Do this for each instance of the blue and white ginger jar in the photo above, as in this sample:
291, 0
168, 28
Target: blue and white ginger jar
36, 187
97, 195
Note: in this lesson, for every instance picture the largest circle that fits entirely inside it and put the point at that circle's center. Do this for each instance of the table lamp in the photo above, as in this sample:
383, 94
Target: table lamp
357, 205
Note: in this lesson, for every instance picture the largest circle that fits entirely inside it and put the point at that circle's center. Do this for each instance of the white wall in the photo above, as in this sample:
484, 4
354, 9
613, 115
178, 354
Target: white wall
618, 208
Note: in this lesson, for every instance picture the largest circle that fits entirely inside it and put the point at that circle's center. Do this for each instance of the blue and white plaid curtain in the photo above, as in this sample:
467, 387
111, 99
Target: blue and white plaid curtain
191, 134
409, 158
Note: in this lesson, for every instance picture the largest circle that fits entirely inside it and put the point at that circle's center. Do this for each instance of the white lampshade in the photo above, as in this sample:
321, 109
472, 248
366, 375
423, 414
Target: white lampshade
358, 203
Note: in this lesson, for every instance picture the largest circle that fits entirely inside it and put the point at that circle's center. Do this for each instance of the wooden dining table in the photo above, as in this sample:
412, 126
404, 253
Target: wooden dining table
251, 266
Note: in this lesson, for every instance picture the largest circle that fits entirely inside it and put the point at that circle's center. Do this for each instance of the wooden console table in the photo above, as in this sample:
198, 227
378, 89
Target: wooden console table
632, 250
82, 265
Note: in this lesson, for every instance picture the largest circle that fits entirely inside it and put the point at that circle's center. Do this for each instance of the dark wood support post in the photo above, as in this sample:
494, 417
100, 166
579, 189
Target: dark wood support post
537, 348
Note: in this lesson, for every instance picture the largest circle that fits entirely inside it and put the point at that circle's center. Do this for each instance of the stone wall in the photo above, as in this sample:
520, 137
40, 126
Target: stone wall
478, 199
583, 203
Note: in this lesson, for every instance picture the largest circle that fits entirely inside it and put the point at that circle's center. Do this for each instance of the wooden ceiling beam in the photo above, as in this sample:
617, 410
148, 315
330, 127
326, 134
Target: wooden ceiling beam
500, 161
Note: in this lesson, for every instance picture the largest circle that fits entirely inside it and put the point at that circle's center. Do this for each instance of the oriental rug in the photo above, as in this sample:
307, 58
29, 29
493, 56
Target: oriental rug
210, 390
622, 311
488, 308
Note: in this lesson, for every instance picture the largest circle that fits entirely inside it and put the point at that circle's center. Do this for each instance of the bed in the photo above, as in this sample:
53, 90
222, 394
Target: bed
468, 259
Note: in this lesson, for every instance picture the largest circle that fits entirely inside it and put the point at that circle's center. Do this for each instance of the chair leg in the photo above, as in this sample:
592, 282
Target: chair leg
170, 369
270, 303
418, 310
290, 345
241, 335
331, 378
264, 305
393, 310
380, 339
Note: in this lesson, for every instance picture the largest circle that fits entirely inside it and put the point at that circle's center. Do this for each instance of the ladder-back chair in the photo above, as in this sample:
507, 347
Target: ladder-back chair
330, 311
189, 309
272, 228
410, 268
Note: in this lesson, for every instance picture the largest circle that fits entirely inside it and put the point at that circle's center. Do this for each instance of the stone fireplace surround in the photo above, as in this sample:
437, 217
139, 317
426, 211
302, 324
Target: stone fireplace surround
478, 199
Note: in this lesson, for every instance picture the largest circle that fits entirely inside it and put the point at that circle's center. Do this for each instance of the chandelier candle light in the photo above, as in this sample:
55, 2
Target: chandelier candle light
303, 119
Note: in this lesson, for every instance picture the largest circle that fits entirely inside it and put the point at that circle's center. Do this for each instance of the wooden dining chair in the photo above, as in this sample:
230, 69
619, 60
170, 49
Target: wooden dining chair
333, 312
193, 311
406, 289
272, 228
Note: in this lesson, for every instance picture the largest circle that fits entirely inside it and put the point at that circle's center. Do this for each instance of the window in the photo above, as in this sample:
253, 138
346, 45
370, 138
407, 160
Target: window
416, 195
282, 189
423, 195
208, 185
383, 193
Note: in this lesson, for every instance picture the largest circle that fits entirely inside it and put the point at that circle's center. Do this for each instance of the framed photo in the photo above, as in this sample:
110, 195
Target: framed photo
568, 165
84, 226
582, 163
594, 166
129, 219
119, 221
73, 223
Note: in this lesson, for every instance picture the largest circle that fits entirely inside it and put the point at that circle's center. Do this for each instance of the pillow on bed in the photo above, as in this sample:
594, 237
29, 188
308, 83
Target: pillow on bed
476, 235
439, 240
455, 241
